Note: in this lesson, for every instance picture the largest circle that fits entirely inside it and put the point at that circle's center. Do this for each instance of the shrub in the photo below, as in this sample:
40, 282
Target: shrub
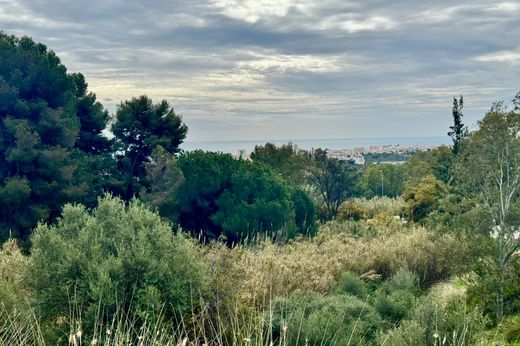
349, 283
397, 296
305, 213
423, 198
313, 319
13, 295
442, 317
350, 210
363, 209
115, 257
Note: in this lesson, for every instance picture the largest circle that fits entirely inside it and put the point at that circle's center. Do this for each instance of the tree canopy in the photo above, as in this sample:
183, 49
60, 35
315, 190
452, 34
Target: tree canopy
221, 196
140, 126
38, 130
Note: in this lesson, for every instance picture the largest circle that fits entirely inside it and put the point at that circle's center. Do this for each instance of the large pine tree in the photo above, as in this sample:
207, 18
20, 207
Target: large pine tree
43, 141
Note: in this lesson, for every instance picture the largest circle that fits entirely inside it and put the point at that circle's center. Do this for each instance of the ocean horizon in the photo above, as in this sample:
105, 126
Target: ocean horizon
233, 146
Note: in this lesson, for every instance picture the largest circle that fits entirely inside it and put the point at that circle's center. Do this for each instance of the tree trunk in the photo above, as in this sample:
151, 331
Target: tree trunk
500, 295
501, 280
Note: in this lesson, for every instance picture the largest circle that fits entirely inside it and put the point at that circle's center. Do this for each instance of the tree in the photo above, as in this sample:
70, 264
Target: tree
516, 102
383, 180
437, 162
333, 181
458, 131
116, 259
284, 160
490, 166
93, 119
164, 177
305, 212
237, 199
140, 126
38, 130
423, 198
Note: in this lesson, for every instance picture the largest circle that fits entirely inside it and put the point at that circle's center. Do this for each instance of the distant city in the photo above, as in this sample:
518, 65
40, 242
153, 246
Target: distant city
359, 150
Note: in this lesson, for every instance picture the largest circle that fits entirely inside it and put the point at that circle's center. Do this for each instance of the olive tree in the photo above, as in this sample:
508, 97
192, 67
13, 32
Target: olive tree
116, 258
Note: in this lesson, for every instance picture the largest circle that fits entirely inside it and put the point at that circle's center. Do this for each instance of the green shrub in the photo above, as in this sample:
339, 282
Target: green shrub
13, 295
349, 283
409, 333
313, 319
351, 210
113, 258
441, 318
423, 198
305, 213
396, 297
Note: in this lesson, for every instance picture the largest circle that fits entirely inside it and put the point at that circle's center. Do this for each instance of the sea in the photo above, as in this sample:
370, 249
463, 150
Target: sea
233, 146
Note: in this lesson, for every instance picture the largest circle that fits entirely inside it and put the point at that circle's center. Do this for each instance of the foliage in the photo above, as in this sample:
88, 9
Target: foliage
458, 131
333, 181
351, 210
237, 199
383, 180
441, 318
423, 198
164, 177
140, 126
93, 119
483, 283
362, 208
115, 257
13, 294
396, 297
305, 213
266, 269
489, 167
38, 130
310, 318
285, 160
437, 162
349, 283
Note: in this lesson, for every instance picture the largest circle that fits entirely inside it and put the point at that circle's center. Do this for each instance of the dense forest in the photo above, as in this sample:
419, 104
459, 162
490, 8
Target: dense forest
113, 235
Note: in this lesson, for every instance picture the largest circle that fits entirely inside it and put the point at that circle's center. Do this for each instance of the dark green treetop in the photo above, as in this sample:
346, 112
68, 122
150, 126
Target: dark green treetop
38, 129
458, 131
93, 118
140, 126
221, 196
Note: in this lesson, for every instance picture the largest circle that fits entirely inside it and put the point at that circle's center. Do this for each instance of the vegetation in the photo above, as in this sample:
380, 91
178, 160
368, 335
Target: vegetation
94, 249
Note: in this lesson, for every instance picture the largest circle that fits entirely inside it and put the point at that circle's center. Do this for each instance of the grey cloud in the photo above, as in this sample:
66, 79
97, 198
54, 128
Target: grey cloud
330, 65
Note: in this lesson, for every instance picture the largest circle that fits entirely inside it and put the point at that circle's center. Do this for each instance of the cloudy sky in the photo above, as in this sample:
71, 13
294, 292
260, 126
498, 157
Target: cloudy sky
288, 69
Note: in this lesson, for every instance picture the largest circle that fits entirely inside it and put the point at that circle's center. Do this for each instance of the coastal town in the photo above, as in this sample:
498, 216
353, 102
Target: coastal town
394, 154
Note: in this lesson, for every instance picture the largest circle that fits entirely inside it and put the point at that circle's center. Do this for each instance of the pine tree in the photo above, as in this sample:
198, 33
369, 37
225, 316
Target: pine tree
458, 131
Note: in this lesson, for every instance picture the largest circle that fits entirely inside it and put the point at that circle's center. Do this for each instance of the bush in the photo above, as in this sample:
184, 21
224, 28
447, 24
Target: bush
442, 317
397, 296
305, 213
363, 209
13, 295
313, 319
423, 198
115, 258
349, 283
350, 210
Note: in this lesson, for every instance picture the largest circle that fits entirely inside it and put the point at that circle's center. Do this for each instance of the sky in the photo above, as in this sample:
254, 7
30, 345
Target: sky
288, 69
